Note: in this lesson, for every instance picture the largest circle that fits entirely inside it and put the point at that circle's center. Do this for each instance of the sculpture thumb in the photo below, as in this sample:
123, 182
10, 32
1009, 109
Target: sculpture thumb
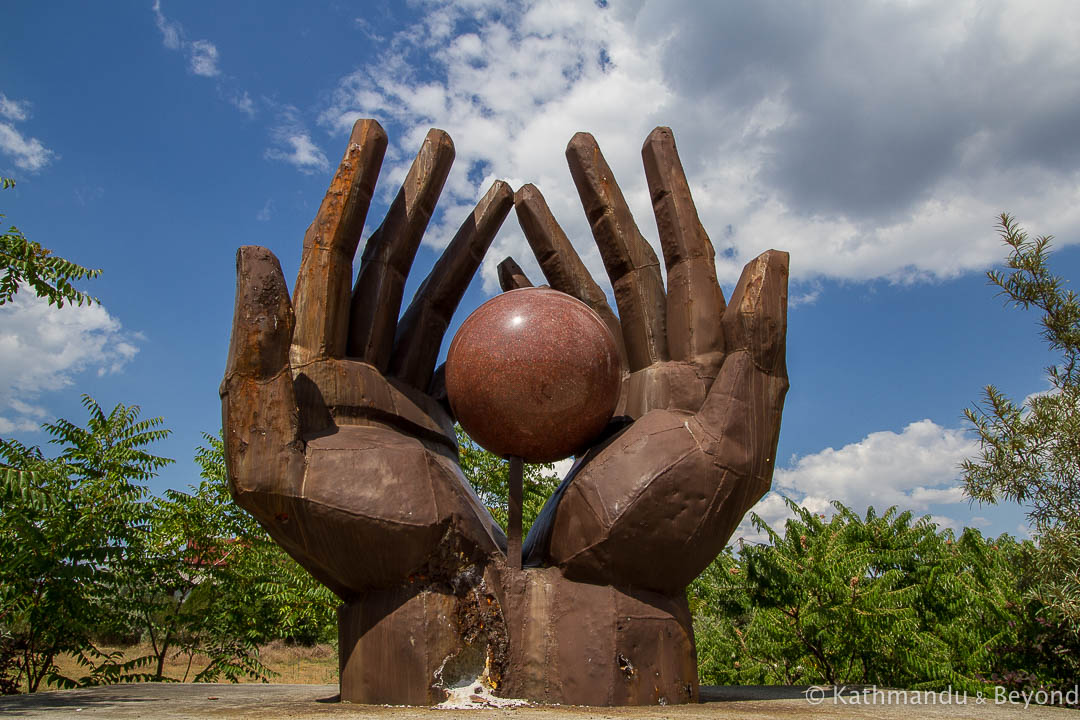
263, 450
756, 315
745, 403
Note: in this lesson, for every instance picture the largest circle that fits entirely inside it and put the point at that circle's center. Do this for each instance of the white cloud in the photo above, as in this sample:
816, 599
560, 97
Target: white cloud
266, 213
296, 148
172, 33
43, 347
202, 55
292, 143
916, 469
18, 425
17, 110
204, 58
806, 298
773, 510
945, 523
368, 29
563, 466
866, 159
242, 102
28, 153
515, 90
23, 408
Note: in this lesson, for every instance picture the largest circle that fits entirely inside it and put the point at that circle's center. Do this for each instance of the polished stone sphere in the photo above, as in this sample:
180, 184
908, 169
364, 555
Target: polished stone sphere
533, 373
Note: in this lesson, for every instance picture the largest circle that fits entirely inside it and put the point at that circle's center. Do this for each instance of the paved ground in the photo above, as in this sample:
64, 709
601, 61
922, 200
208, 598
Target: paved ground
300, 702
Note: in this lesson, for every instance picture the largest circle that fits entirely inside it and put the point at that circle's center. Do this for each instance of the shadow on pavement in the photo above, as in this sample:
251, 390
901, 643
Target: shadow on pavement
16, 705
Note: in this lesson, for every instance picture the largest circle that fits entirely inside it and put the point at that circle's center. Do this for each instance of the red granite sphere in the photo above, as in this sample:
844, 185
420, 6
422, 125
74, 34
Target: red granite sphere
533, 373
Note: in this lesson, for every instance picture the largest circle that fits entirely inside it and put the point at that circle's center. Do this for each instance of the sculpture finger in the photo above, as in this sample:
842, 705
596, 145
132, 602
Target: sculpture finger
376, 299
321, 298
264, 453
511, 276
631, 263
756, 317
695, 302
559, 261
422, 327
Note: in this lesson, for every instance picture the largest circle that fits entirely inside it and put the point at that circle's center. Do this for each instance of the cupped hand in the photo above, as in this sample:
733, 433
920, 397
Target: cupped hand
333, 439
650, 506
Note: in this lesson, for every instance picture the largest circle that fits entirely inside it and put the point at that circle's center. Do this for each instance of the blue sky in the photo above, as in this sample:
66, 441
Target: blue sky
876, 142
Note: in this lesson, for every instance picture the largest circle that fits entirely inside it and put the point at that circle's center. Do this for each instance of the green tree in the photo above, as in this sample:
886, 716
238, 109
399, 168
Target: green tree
490, 477
86, 553
49, 276
172, 596
1030, 451
66, 528
213, 585
274, 596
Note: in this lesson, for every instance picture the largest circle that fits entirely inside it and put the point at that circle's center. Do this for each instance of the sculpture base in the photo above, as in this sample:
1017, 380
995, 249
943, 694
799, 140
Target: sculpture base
535, 635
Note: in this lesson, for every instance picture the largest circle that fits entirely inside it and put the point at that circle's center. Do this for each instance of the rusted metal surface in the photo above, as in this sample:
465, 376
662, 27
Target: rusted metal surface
389, 253
511, 276
339, 439
587, 644
629, 260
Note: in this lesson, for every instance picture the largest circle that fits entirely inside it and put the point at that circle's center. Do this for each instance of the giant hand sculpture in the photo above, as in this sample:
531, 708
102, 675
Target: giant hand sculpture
705, 385
337, 442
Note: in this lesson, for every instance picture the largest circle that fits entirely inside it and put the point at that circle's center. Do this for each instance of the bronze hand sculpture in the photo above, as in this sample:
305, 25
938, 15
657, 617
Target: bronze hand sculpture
705, 385
337, 441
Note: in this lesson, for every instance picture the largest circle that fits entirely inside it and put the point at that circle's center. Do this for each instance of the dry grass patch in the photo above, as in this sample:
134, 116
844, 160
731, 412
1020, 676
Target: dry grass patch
294, 664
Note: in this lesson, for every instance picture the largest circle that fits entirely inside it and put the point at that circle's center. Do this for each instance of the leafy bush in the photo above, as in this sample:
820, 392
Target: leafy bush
877, 600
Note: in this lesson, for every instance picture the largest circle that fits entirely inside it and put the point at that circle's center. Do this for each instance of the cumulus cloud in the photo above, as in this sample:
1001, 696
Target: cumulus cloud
292, 144
43, 347
27, 153
511, 92
885, 468
873, 141
916, 469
